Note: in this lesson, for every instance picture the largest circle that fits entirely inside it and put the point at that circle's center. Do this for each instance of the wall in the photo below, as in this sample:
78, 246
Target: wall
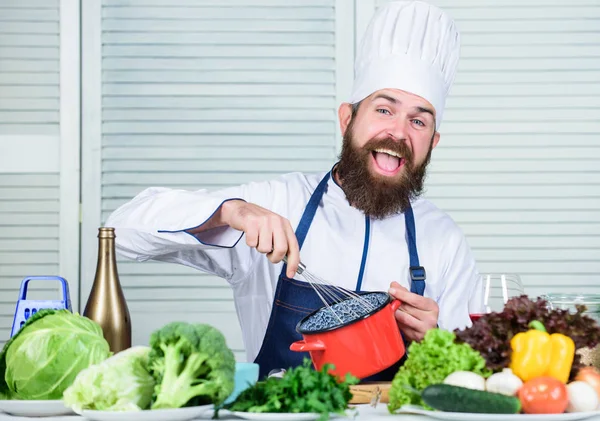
207, 94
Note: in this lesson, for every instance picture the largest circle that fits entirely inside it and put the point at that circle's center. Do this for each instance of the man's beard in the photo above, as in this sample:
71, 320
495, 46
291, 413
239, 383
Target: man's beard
378, 196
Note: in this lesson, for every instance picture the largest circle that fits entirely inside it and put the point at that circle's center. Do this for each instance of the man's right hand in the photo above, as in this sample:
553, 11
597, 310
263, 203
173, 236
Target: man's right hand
266, 231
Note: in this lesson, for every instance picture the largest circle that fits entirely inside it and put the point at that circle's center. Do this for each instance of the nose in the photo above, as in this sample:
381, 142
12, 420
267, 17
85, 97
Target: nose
398, 129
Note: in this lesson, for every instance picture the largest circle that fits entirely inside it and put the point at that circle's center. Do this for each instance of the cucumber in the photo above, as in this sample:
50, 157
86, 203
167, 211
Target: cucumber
450, 398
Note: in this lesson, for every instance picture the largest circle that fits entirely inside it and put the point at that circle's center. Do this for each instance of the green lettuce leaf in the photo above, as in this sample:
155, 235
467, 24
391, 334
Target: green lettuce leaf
430, 362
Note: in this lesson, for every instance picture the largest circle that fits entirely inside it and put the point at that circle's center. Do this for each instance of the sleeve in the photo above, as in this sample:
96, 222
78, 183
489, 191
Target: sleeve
153, 225
462, 292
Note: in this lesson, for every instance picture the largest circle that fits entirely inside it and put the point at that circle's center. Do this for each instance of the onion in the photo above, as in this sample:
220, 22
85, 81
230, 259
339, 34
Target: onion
466, 379
582, 397
591, 376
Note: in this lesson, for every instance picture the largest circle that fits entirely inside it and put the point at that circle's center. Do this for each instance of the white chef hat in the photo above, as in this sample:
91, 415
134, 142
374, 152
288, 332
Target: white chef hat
412, 46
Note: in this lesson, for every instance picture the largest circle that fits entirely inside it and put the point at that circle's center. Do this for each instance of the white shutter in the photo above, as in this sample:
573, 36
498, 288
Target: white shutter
208, 94
38, 209
517, 165
29, 53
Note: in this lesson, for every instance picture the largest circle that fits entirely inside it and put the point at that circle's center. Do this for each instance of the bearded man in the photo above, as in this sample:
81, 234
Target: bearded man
362, 226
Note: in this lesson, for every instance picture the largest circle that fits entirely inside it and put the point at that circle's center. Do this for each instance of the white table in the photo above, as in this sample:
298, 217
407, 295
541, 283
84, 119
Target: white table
366, 412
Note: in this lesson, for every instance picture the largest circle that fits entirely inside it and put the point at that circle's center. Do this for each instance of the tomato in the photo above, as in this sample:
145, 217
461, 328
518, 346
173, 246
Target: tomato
544, 395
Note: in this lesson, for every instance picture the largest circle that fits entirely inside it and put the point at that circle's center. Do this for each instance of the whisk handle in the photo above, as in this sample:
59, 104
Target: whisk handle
301, 266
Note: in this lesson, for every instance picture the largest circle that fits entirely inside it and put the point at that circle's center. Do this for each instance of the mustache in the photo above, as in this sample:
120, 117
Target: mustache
399, 147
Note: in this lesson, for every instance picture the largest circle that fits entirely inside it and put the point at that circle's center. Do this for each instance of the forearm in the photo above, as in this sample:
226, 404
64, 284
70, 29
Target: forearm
160, 221
220, 217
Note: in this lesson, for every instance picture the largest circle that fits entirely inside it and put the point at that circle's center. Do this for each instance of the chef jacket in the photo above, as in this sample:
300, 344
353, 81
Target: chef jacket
152, 226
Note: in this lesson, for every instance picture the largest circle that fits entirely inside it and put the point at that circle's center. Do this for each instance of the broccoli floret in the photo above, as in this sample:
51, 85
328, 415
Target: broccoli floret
191, 364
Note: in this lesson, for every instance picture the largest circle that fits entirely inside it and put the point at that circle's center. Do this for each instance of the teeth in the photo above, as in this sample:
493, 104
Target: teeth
387, 151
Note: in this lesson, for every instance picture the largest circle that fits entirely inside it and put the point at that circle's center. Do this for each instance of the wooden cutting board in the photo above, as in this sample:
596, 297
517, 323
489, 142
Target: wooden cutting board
366, 393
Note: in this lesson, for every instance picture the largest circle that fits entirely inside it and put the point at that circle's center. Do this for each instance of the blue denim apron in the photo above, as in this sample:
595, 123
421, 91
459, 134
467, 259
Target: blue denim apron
296, 299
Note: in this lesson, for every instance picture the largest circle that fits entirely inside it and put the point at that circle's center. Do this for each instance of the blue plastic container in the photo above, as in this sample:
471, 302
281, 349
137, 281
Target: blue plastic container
246, 375
27, 308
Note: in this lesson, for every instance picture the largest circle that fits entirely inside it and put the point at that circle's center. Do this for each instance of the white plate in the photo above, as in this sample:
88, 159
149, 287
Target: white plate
270, 416
412, 409
35, 408
179, 414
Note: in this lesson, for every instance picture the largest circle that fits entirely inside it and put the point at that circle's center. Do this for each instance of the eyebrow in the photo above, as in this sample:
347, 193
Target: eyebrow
425, 110
386, 97
395, 101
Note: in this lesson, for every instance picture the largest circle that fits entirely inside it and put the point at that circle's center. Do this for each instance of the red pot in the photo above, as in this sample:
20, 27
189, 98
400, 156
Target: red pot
362, 347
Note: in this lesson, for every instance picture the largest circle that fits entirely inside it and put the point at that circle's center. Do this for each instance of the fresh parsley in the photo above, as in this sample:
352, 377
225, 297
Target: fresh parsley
302, 389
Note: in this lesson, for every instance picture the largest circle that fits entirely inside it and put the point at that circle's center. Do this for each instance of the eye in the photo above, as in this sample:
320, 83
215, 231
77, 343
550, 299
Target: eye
418, 122
384, 111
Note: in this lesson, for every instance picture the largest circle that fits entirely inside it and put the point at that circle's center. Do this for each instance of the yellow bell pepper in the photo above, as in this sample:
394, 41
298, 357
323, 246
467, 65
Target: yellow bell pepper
536, 353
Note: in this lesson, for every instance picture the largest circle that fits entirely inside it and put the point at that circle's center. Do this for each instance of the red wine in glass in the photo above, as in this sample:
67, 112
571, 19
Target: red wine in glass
495, 289
475, 316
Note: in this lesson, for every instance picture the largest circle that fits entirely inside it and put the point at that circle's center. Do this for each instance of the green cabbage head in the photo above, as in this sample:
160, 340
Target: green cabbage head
47, 353
120, 383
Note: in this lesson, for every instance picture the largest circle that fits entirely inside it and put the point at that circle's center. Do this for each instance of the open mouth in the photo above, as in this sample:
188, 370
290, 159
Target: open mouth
387, 162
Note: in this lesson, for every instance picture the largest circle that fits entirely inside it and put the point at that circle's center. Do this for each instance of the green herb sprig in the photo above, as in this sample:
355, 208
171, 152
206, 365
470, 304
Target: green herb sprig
302, 389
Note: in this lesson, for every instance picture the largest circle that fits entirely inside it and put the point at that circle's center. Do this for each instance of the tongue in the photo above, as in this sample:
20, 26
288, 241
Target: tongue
387, 162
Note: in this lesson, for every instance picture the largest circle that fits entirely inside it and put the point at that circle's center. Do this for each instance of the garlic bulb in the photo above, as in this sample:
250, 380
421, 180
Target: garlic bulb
504, 382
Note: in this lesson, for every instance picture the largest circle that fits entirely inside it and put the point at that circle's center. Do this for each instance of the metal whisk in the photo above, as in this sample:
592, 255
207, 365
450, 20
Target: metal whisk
327, 291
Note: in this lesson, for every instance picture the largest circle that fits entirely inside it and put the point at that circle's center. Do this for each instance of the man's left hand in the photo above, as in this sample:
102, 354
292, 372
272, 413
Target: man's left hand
416, 314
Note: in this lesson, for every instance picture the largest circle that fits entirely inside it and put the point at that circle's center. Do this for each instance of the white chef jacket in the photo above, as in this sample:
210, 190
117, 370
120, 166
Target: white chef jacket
151, 227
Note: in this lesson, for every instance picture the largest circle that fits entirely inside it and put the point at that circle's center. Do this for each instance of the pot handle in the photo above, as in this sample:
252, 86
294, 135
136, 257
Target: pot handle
303, 346
395, 305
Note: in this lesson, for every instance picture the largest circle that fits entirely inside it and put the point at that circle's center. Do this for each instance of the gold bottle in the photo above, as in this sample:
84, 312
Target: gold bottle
106, 304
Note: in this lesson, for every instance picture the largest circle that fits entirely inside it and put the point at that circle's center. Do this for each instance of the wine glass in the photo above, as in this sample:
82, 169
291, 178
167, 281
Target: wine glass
492, 292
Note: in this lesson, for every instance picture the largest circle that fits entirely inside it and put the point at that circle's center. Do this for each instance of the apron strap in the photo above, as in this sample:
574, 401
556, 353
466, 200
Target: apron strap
417, 272
363, 261
310, 210
309, 213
